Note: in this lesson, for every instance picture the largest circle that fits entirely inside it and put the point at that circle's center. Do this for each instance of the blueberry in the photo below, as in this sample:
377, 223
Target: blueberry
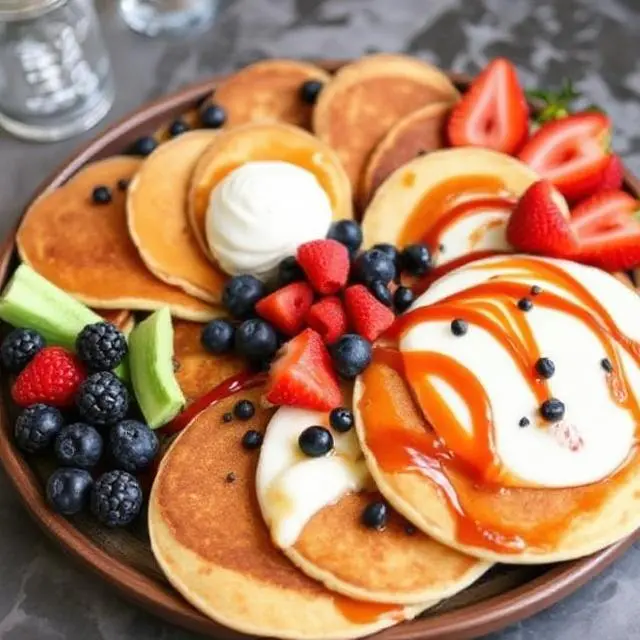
545, 367
240, 295
341, 419
525, 304
244, 410
310, 90
375, 515
289, 271
252, 439
552, 410
315, 442
133, 446
19, 347
381, 292
351, 355
123, 184
390, 250
256, 339
459, 327
101, 346
144, 146
213, 116
178, 127
348, 233
102, 399
68, 490
36, 427
403, 298
78, 445
415, 259
373, 265
116, 499
101, 195
217, 336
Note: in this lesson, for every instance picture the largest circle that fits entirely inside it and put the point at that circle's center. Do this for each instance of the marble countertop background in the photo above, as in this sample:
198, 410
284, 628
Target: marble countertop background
43, 594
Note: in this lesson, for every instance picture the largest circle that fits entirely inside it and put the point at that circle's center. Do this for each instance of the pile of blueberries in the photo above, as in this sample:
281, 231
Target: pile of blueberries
94, 435
256, 340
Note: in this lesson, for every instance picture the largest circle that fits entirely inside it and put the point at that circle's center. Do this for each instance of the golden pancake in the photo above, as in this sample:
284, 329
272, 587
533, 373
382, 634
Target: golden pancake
418, 133
197, 370
85, 248
208, 536
158, 221
191, 118
268, 91
368, 97
501, 524
121, 318
254, 142
329, 542
404, 209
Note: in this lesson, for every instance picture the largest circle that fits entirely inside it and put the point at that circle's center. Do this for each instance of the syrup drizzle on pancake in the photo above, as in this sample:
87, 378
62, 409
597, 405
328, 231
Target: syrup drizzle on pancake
453, 458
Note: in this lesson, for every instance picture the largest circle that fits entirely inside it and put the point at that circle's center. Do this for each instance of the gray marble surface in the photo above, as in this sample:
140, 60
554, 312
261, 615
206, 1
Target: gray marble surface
43, 594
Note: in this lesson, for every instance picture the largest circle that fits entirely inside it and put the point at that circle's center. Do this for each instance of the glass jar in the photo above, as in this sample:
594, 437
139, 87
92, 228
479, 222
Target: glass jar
55, 75
168, 17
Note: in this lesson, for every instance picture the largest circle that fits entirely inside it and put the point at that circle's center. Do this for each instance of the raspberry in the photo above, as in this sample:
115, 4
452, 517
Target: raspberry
325, 263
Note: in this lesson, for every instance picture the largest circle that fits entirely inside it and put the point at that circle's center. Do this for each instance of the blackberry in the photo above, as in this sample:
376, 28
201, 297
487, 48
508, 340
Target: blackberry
19, 347
78, 445
101, 346
102, 399
36, 427
68, 490
116, 499
133, 445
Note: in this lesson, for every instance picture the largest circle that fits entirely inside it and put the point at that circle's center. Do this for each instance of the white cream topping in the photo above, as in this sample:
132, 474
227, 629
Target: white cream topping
292, 487
596, 434
261, 213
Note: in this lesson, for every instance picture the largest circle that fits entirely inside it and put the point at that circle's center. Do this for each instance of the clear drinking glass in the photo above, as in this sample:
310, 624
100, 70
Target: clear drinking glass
168, 17
55, 76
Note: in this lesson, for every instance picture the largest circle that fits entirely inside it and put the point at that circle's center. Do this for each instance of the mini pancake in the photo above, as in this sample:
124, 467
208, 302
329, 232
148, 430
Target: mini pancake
197, 370
191, 118
332, 545
368, 97
404, 209
418, 133
268, 91
158, 221
208, 536
121, 318
85, 248
254, 142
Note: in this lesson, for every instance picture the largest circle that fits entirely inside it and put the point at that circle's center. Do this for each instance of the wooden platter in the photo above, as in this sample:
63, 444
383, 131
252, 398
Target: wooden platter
124, 559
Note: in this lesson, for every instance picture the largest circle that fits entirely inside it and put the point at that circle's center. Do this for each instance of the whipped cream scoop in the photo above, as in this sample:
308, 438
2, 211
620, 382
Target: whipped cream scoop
261, 213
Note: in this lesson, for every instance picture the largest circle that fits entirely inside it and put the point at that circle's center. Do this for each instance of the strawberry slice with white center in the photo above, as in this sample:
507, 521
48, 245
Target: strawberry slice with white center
571, 153
607, 226
493, 113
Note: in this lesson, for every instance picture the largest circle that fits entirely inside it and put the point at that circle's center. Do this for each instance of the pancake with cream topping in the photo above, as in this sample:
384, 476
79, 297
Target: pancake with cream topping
501, 454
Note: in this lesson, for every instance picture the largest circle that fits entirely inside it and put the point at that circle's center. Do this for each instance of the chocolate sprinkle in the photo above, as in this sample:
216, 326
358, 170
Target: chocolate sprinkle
605, 363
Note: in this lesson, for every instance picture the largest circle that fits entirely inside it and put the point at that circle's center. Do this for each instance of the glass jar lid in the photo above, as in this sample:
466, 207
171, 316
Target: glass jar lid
22, 9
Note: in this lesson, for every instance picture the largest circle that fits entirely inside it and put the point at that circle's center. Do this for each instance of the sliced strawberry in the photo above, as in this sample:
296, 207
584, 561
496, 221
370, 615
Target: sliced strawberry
303, 376
286, 308
571, 153
368, 316
540, 223
612, 177
608, 231
325, 263
493, 113
328, 318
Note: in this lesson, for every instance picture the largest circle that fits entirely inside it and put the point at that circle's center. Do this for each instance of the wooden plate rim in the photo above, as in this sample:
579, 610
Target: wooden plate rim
467, 622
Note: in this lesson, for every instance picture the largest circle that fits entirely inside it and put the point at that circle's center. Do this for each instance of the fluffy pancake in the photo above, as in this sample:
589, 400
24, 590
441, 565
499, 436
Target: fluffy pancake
190, 118
159, 192
273, 141
268, 91
307, 501
85, 248
209, 538
418, 133
368, 97
197, 370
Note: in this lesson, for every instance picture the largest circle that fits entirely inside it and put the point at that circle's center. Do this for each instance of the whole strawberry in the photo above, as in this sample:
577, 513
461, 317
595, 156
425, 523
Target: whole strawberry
52, 377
